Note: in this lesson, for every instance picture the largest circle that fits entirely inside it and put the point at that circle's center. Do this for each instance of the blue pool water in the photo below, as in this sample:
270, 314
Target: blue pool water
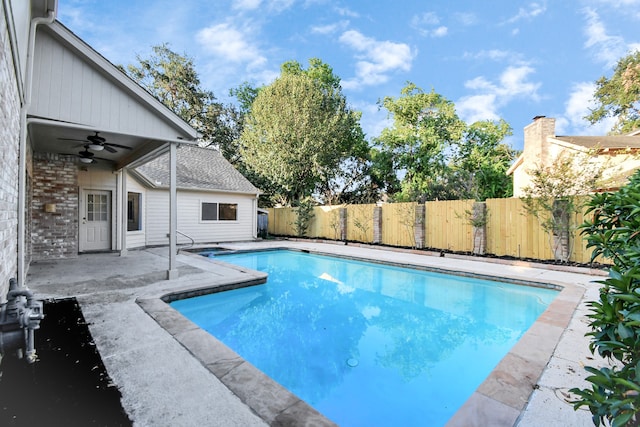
368, 344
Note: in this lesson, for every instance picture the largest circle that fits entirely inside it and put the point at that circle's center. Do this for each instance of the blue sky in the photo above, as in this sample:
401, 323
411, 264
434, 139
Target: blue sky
493, 59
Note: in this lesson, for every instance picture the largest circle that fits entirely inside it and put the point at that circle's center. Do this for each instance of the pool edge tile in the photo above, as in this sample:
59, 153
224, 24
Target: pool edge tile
482, 411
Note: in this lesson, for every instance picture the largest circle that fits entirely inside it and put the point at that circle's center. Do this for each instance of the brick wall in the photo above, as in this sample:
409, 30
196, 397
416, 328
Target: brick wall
9, 149
55, 181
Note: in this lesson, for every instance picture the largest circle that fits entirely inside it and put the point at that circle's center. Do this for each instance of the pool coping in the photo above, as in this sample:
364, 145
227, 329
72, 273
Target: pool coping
498, 401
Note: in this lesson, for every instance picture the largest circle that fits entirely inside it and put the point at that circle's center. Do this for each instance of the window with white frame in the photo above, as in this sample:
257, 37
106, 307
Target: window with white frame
219, 211
134, 222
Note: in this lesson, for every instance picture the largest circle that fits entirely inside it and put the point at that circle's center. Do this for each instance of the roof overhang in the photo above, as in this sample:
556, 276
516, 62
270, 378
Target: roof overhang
68, 134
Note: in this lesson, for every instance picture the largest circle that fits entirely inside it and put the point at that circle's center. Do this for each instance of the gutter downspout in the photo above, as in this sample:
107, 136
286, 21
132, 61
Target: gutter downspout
255, 218
22, 154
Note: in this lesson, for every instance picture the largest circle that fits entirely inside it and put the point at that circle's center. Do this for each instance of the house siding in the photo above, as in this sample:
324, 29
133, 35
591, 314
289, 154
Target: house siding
9, 159
67, 88
55, 181
157, 218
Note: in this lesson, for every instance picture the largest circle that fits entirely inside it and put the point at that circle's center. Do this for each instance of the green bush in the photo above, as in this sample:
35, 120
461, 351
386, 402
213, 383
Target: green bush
614, 233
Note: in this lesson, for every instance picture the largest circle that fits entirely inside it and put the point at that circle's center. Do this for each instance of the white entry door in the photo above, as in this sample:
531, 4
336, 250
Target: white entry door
95, 221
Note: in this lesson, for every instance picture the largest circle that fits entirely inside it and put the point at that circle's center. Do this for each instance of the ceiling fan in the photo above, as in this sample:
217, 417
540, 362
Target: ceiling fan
87, 156
97, 143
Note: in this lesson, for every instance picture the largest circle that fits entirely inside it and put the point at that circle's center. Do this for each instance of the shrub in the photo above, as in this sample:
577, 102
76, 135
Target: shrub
615, 318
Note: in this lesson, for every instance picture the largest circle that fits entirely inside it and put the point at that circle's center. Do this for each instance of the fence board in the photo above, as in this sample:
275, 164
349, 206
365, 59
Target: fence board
447, 226
397, 224
360, 223
509, 231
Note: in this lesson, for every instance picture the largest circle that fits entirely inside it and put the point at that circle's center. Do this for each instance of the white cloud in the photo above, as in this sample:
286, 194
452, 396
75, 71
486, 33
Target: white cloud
230, 44
330, 28
493, 54
606, 48
474, 108
572, 121
466, 18
343, 11
428, 24
490, 96
376, 59
272, 5
531, 11
440, 31
246, 4
374, 119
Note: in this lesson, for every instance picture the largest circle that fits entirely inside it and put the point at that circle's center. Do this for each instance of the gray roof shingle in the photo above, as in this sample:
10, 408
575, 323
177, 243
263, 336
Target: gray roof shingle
197, 168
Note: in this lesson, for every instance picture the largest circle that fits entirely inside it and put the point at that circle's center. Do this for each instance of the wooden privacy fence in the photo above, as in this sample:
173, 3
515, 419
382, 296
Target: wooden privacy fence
502, 227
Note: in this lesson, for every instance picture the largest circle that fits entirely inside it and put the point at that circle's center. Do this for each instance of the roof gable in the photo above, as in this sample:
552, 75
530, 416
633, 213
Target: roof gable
197, 169
73, 83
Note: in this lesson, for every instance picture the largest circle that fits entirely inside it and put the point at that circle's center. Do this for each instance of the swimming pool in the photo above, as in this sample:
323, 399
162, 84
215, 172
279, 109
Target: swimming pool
368, 344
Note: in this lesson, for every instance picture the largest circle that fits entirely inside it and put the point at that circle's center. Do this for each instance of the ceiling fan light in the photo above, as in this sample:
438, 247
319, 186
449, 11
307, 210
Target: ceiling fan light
95, 147
86, 159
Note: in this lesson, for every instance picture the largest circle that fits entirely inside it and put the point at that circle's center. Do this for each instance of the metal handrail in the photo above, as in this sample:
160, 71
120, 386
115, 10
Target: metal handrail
193, 242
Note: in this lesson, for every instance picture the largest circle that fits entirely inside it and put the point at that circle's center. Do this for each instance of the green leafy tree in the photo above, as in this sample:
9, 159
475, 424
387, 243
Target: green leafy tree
614, 233
557, 194
619, 96
173, 80
424, 126
299, 132
481, 161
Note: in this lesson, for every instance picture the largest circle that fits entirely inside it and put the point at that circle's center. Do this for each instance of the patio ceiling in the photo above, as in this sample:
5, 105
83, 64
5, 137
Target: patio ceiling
48, 136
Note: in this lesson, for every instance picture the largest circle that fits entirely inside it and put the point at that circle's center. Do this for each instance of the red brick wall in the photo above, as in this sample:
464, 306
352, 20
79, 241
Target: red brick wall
55, 181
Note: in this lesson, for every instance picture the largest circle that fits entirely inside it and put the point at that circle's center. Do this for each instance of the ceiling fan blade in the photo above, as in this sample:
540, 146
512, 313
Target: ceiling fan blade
117, 145
109, 149
73, 139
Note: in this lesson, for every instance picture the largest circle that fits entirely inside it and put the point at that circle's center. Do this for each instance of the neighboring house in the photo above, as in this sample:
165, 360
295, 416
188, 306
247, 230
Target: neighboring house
71, 127
216, 203
620, 153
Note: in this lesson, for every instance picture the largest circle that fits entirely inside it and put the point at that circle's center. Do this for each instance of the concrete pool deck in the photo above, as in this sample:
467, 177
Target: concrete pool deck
167, 377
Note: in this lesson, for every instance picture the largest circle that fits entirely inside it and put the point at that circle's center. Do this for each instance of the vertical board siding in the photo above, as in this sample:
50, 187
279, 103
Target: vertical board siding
360, 223
448, 226
68, 88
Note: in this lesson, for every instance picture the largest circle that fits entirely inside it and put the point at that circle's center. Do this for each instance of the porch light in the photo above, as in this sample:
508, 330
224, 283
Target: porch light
95, 147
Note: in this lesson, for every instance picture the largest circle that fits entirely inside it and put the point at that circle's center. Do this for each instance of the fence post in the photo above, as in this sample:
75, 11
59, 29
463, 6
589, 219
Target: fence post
343, 224
479, 222
418, 226
377, 225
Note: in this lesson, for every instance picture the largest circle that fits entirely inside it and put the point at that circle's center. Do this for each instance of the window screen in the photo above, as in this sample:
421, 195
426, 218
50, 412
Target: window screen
209, 211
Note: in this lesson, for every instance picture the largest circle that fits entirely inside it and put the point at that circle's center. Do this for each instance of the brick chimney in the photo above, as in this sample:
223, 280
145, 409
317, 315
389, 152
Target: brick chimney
536, 147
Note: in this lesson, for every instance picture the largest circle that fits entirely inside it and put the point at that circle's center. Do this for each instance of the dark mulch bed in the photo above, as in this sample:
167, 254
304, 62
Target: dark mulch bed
68, 385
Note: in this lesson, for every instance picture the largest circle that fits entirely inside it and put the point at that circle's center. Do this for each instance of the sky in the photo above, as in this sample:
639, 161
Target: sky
494, 59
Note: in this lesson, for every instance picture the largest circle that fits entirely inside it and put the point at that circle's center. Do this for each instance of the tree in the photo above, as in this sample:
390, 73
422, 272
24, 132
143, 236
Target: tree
173, 80
614, 233
557, 194
619, 96
481, 161
300, 131
424, 126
